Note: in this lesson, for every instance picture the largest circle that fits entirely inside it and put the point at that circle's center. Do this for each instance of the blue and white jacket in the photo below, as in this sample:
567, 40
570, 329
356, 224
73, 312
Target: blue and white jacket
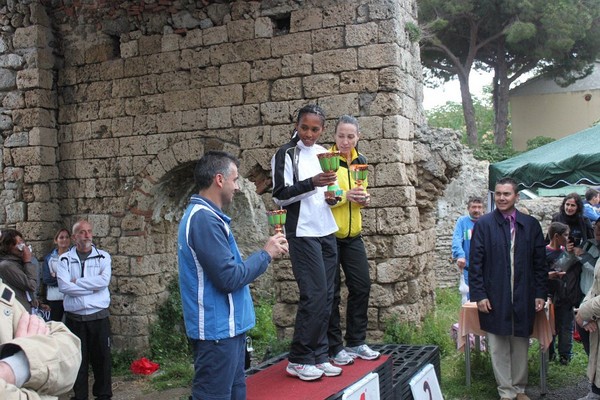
89, 294
213, 278
461, 239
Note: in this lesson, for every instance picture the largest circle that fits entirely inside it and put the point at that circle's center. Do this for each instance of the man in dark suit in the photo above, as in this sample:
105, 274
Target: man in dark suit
507, 279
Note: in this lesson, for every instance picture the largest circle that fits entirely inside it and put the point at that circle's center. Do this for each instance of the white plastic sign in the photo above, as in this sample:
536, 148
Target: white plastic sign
424, 385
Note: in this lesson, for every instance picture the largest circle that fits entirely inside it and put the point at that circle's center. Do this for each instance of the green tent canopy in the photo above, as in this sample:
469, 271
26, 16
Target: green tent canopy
571, 160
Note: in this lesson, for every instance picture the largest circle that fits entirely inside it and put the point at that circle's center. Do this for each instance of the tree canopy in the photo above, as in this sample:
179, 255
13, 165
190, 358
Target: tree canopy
510, 38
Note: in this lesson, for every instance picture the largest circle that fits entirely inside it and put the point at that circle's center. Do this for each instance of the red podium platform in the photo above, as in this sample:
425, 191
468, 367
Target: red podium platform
397, 365
273, 383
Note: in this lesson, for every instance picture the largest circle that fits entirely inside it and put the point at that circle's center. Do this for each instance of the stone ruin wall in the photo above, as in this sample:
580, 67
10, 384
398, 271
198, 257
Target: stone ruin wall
106, 106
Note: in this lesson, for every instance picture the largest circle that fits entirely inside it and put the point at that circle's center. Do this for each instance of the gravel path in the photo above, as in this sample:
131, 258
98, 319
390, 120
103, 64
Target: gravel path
572, 392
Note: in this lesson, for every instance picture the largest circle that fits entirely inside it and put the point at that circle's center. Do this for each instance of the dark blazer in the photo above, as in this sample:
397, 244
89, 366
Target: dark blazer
489, 272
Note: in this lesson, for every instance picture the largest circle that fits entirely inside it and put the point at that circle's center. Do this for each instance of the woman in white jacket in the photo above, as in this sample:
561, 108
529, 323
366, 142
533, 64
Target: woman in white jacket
54, 297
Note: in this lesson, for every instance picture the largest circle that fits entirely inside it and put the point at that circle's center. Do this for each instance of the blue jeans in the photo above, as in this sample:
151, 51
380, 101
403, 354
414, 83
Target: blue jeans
219, 369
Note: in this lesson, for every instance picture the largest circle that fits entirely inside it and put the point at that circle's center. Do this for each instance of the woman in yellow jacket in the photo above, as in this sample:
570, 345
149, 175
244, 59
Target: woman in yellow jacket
351, 253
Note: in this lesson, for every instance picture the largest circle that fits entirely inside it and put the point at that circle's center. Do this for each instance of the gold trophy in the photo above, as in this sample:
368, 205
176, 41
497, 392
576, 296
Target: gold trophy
359, 173
277, 219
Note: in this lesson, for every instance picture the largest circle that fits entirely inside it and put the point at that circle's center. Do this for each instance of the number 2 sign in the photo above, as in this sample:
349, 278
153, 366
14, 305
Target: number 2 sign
424, 385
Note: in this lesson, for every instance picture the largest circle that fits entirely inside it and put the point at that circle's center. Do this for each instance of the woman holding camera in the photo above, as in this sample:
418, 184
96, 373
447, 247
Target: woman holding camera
17, 269
571, 214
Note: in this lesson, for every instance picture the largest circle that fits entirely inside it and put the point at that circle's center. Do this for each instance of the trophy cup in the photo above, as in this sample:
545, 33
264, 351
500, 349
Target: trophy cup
277, 219
330, 162
359, 173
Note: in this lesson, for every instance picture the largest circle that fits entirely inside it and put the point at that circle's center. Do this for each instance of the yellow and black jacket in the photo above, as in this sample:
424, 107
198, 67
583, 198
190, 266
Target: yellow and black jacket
346, 213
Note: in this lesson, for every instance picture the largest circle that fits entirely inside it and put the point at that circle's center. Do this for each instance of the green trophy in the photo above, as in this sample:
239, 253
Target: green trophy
359, 173
277, 219
329, 161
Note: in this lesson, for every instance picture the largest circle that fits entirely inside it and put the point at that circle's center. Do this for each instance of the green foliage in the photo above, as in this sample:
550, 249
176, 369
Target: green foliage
168, 339
413, 31
450, 115
397, 332
488, 150
174, 373
520, 31
538, 141
264, 334
435, 329
121, 361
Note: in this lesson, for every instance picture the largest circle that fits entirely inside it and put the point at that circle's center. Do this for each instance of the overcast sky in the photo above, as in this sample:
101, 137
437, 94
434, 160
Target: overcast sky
451, 90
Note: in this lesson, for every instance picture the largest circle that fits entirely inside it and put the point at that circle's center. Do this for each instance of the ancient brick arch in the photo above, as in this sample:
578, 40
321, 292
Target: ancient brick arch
171, 169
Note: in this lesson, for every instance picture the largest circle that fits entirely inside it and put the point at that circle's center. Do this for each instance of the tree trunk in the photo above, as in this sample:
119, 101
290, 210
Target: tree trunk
500, 97
468, 109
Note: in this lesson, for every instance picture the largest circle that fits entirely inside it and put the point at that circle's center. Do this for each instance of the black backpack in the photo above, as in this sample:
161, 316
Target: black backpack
569, 293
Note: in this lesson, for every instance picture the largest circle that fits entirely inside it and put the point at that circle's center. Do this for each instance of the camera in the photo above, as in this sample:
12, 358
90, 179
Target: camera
575, 240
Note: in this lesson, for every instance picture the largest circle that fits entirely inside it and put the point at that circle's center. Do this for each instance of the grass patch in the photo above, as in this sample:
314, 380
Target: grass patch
121, 360
175, 373
435, 329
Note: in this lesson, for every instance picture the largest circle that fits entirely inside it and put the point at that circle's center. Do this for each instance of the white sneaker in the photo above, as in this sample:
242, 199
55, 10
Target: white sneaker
305, 372
342, 358
363, 351
329, 370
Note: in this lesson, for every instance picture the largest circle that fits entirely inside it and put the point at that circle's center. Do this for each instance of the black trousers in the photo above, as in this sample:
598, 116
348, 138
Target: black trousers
56, 310
353, 259
95, 350
314, 262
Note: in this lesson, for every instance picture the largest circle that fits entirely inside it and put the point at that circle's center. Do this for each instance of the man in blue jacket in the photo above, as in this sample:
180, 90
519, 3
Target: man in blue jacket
213, 279
508, 280
461, 239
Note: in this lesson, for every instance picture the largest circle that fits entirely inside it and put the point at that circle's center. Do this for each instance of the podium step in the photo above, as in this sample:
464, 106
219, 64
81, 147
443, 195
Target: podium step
401, 363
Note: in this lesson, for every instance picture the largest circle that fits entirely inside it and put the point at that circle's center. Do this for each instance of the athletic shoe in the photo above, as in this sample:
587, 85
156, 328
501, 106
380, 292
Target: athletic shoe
305, 372
329, 370
342, 358
363, 351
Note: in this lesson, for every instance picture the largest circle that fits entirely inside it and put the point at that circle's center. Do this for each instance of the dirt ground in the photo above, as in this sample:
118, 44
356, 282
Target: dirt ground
140, 390
572, 392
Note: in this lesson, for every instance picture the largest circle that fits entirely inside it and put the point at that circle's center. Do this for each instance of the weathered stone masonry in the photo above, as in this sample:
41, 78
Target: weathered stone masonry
106, 106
